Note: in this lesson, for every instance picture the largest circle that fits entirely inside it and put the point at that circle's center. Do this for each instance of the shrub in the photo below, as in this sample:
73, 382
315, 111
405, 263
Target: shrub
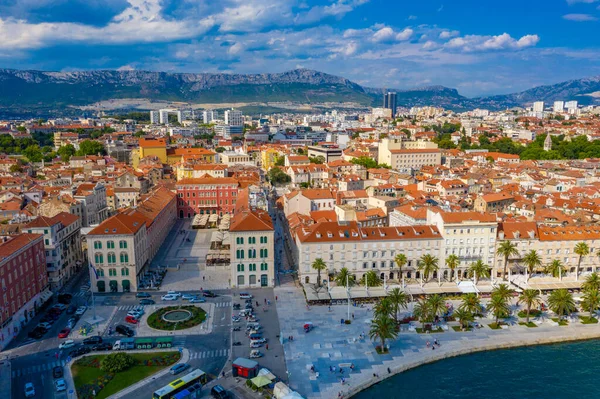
348, 321
117, 362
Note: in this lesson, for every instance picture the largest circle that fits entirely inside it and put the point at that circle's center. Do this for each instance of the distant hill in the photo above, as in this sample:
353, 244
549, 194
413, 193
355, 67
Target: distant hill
29, 93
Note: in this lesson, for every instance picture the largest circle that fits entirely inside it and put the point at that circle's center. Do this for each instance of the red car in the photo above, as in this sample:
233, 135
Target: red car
131, 319
64, 333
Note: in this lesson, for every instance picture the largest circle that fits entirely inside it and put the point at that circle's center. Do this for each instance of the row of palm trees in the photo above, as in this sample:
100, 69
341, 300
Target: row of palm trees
384, 325
428, 265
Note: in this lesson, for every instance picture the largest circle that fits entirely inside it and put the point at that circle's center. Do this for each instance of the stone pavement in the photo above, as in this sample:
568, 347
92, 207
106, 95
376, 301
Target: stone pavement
333, 344
103, 313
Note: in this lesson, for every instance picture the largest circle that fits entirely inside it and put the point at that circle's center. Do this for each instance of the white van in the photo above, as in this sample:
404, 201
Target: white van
245, 295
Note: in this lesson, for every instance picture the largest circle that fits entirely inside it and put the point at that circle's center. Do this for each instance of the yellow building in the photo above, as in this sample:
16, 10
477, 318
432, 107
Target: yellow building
148, 147
268, 158
175, 155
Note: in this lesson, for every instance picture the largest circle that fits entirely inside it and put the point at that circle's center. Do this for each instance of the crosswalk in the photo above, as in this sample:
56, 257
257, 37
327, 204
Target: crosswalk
131, 307
222, 304
80, 294
38, 368
210, 354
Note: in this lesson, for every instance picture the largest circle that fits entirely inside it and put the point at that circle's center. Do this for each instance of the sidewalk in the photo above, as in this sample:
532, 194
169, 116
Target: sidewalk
5, 376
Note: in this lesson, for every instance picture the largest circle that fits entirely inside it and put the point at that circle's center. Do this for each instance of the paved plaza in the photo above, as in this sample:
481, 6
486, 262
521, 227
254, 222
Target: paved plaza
333, 344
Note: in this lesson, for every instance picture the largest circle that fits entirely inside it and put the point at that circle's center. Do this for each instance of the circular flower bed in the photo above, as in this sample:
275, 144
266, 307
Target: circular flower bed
156, 320
177, 316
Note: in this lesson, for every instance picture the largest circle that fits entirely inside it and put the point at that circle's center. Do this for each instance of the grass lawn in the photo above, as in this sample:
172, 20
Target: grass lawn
85, 374
530, 324
458, 329
532, 313
156, 321
422, 331
560, 321
588, 320
496, 326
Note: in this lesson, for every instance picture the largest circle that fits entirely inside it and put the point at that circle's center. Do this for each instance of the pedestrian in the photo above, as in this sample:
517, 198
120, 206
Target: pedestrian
330, 368
203, 277
433, 347
268, 303
352, 316
267, 346
265, 301
334, 369
428, 343
341, 370
329, 308
256, 303
275, 297
389, 371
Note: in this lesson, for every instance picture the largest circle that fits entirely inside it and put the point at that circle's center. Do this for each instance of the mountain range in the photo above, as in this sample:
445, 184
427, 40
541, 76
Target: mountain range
40, 93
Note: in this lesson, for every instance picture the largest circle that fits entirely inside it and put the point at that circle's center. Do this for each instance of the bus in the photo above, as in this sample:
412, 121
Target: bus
197, 376
193, 392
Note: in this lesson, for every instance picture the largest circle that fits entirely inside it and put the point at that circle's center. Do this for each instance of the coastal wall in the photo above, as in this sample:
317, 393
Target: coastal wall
495, 342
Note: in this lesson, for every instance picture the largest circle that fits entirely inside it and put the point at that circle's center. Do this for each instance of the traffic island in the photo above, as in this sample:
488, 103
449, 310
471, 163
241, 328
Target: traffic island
172, 318
101, 376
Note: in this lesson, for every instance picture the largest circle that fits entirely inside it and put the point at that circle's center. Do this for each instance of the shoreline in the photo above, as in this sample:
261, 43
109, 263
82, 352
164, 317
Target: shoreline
442, 354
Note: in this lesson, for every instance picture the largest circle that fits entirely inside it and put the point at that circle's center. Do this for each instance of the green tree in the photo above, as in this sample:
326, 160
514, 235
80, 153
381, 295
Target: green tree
592, 282
556, 269
591, 301
33, 153
507, 249
436, 305
90, 147
344, 277
532, 261
66, 152
367, 162
479, 270
319, 265
371, 279
220, 150
16, 168
139, 133
428, 265
421, 312
464, 317
117, 362
452, 262
530, 298
499, 307
470, 303
503, 291
277, 176
319, 160
561, 302
383, 307
400, 260
280, 161
398, 299
581, 249
382, 329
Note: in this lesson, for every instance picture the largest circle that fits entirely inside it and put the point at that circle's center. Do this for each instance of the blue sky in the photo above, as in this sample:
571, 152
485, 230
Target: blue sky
479, 47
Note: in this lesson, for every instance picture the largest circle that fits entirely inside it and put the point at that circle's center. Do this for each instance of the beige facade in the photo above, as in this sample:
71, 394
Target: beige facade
400, 154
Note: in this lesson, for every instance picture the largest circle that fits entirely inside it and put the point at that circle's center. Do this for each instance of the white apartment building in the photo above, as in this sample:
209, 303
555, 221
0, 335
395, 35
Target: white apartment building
230, 158
362, 249
252, 249
401, 154
209, 116
469, 235
93, 199
154, 117
308, 200
234, 117
559, 106
538, 107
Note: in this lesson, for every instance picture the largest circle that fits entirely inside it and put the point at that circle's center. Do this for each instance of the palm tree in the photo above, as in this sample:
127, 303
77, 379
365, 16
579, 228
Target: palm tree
556, 269
428, 264
344, 277
421, 311
371, 279
531, 298
383, 307
506, 249
561, 302
502, 291
464, 317
382, 328
591, 301
581, 249
319, 265
400, 260
532, 260
592, 282
470, 303
452, 262
479, 270
499, 307
436, 305
399, 299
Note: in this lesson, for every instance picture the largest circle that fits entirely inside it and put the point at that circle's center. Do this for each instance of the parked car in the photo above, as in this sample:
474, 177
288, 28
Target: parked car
255, 344
47, 319
255, 353
218, 392
64, 333
245, 295
57, 372
71, 310
105, 346
71, 324
81, 310
66, 344
178, 368
143, 295
29, 390
255, 335
197, 300
147, 302
131, 319
96, 339
259, 340
82, 350
124, 330
209, 294
60, 385
168, 297
36, 333
44, 325
187, 297
175, 293
65, 298
60, 306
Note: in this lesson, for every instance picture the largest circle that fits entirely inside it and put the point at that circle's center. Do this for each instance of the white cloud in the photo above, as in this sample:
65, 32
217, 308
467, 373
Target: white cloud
430, 45
447, 34
350, 48
383, 34
571, 2
412, 17
235, 49
473, 43
128, 67
579, 17
405, 34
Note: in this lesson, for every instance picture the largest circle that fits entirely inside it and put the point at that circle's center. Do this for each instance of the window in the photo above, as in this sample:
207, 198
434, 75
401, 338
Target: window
263, 253
47, 241
240, 254
100, 272
364, 265
263, 266
239, 240
110, 244
124, 271
252, 267
124, 257
112, 258
240, 267
252, 240
123, 244
98, 258
112, 272
97, 244
252, 253
263, 240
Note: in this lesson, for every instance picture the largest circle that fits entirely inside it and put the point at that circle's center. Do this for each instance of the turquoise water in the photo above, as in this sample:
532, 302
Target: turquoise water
570, 370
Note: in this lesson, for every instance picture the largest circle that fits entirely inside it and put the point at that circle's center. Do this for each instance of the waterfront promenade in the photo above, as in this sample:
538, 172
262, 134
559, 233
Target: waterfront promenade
332, 344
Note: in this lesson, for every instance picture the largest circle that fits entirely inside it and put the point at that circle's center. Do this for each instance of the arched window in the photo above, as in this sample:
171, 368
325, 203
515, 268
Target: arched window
112, 272
124, 257
123, 244
124, 271
112, 258
110, 244
98, 258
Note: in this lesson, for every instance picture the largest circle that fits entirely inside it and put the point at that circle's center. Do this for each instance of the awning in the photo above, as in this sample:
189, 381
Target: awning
260, 381
113, 283
101, 286
126, 285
